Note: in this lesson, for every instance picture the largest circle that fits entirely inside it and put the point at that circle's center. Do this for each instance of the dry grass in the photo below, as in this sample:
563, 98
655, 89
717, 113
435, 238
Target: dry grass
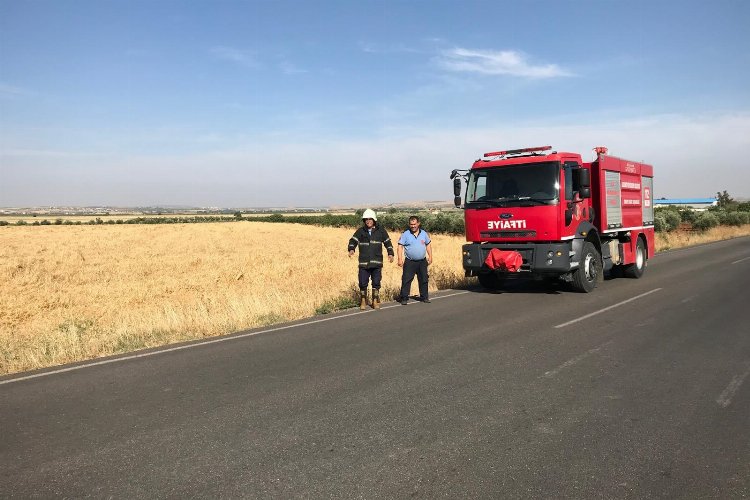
681, 239
71, 293
79, 292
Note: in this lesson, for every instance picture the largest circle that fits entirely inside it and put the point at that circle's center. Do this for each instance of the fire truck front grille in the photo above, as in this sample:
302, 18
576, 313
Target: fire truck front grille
508, 234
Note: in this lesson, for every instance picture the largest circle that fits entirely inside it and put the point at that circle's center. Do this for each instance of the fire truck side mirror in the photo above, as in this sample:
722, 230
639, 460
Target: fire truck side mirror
457, 201
582, 178
457, 186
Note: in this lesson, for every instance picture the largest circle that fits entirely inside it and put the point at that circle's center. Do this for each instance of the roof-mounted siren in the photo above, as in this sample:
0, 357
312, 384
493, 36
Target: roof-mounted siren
600, 150
518, 151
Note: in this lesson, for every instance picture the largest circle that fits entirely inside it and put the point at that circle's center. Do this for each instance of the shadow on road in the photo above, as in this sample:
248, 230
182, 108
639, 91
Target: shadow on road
525, 286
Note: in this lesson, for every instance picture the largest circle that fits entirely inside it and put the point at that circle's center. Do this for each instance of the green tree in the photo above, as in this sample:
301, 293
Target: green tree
672, 219
725, 201
735, 218
688, 215
706, 221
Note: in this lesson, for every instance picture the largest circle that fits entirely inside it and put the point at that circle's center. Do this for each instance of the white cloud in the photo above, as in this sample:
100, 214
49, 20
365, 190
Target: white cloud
693, 156
251, 59
245, 58
387, 48
505, 62
12, 91
41, 153
290, 69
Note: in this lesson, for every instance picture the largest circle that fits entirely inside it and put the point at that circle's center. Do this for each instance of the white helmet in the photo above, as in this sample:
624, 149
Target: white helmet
369, 214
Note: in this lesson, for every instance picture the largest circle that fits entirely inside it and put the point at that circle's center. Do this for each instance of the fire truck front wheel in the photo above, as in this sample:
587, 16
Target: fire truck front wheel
589, 269
490, 281
636, 269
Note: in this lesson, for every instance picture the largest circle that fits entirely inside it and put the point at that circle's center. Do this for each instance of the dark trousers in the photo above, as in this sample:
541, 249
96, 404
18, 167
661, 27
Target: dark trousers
376, 273
412, 267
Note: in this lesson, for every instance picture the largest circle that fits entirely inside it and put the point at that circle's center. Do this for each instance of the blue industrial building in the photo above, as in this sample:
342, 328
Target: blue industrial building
694, 203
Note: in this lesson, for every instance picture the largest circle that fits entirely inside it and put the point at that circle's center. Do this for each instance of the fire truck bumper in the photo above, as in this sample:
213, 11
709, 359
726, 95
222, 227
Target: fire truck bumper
539, 258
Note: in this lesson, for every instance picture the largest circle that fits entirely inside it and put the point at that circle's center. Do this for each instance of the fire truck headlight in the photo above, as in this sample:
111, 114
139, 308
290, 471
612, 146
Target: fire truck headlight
559, 253
550, 254
549, 262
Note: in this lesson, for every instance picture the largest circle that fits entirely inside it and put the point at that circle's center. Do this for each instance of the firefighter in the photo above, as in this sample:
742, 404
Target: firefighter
370, 238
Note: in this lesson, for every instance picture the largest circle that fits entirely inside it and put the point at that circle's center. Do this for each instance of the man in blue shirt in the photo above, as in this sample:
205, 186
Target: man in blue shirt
414, 255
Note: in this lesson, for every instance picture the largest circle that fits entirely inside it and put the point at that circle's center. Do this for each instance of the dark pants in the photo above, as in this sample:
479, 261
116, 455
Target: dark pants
412, 267
376, 273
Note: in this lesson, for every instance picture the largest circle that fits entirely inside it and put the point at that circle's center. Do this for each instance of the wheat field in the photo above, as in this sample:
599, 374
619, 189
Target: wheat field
78, 292
71, 293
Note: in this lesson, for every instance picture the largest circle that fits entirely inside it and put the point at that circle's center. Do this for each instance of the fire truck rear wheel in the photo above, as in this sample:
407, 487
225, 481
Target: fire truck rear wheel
636, 270
491, 281
589, 269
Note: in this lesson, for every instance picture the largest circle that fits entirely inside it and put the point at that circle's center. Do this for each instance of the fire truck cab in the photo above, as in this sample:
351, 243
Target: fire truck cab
539, 213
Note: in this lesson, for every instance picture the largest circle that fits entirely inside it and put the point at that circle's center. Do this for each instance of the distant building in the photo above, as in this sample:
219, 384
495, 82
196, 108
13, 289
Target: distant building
694, 203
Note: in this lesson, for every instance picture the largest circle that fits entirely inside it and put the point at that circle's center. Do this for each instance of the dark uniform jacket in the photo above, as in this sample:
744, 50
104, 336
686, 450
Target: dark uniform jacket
371, 246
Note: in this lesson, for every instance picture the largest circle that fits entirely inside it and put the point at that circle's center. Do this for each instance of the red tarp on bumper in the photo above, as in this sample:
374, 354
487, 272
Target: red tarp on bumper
504, 260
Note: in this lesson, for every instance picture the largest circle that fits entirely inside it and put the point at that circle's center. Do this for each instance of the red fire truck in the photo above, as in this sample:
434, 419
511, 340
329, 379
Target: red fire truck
535, 212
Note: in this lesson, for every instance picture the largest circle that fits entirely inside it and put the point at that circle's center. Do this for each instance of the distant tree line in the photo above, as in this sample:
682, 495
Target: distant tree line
135, 220
728, 212
440, 222
449, 223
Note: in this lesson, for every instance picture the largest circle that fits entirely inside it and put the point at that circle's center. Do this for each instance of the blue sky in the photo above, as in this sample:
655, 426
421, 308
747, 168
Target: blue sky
340, 103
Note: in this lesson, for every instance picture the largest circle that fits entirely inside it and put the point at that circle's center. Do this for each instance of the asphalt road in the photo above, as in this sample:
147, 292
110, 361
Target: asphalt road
638, 390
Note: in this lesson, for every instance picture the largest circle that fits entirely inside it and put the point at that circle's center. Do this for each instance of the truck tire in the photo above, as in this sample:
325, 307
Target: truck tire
490, 281
589, 269
636, 269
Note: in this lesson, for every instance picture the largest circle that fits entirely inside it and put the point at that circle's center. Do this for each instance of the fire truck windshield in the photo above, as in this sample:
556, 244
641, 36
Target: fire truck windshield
515, 185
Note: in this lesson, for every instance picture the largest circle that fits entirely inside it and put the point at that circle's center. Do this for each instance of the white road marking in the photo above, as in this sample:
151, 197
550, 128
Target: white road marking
200, 344
431, 299
575, 360
738, 261
606, 308
725, 398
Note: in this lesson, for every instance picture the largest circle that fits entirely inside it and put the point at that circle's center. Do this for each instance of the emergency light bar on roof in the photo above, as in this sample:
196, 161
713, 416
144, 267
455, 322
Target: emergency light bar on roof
518, 151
